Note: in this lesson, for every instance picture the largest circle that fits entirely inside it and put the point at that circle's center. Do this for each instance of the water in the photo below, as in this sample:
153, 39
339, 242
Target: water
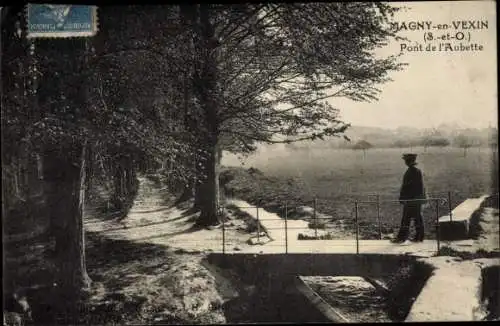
353, 297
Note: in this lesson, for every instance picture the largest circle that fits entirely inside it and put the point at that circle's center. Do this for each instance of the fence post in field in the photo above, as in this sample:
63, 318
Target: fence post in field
223, 232
437, 225
449, 205
357, 227
315, 219
286, 227
258, 225
378, 218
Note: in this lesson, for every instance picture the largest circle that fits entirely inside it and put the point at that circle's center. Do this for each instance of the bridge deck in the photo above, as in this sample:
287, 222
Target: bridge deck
275, 227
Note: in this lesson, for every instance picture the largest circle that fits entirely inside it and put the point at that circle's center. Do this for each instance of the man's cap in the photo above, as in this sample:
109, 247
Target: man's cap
409, 157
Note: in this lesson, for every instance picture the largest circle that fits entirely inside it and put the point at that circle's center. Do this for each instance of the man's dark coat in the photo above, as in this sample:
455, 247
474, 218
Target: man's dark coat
413, 184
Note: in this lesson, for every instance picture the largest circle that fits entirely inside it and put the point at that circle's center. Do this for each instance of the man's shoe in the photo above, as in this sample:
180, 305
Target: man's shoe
397, 240
406, 243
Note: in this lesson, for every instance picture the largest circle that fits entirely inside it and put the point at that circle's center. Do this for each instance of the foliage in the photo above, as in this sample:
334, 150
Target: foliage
280, 62
85, 90
463, 141
276, 64
493, 139
362, 144
204, 76
264, 72
268, 192
437, 141
401, 143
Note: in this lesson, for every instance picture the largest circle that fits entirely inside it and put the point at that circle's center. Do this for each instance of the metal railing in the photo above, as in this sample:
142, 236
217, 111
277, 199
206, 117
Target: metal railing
423, 201
314, 220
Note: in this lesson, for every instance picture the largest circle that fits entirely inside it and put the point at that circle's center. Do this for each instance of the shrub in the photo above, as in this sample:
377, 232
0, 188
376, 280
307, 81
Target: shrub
317, 224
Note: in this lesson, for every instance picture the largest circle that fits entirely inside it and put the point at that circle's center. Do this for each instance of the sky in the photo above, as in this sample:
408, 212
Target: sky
456, 88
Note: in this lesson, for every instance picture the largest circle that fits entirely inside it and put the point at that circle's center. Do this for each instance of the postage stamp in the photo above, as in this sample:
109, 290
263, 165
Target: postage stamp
47, 20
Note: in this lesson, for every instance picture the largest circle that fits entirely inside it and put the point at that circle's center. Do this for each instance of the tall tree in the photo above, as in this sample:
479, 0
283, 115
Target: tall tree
142, 70
87, 97
362, 145
265, 71
464, 142
61, 135
45, 118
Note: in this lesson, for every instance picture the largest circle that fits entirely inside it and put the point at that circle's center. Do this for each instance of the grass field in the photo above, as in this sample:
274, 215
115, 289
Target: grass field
339, 177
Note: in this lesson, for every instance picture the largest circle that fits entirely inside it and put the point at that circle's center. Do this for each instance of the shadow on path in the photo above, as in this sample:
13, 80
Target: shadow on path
117, 265
192, 229
104, 254
156, 210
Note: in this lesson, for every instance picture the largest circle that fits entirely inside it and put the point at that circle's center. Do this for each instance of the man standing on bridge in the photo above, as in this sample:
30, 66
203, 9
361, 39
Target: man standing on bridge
412, 197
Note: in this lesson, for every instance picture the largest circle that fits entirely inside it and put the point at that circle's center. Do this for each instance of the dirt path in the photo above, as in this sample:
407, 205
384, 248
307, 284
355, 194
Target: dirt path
152, 220
148, 268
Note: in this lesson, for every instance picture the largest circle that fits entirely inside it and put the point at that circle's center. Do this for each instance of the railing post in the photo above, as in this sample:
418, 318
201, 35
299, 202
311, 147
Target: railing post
315, 220
449, 205
357, 227
258, 226
223, 233
286, 227
437, 225
378, 218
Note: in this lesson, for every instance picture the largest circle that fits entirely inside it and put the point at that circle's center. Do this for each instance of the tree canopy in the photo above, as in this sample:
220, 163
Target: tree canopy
362, 144
180, 84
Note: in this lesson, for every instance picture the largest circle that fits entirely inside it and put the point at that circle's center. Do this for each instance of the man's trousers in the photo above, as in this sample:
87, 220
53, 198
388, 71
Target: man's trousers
412, 211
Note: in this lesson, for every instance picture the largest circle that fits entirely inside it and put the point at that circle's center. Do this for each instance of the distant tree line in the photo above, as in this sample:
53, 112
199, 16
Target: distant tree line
459, 139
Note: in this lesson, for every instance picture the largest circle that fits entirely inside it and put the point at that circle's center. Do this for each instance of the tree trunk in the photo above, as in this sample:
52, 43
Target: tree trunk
219, 155
118, 185
198, 184
199, 194
117, 195
16, 184
208, 191
124, 183
494, 174
187, 194
39, 166
65, 181
206, 88
205, 85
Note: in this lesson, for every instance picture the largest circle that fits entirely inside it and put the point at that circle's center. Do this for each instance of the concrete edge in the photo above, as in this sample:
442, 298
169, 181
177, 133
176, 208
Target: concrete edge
479, 311
438, 268
262, 227
482, 200
466, 223
424, 261
327, 310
